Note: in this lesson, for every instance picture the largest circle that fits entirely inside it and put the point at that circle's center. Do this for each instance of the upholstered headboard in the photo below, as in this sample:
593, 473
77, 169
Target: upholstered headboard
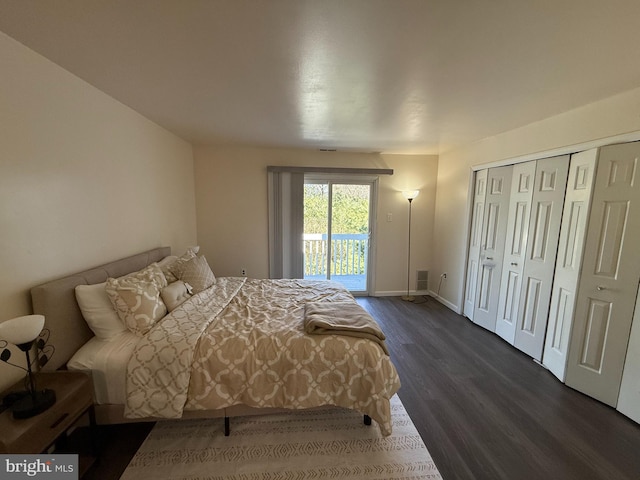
56, 300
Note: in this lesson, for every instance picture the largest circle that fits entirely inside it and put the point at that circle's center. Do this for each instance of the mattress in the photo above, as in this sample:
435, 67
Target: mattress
106, 361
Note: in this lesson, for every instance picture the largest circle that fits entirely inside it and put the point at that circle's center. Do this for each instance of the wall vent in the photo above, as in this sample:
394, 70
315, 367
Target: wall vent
422, 280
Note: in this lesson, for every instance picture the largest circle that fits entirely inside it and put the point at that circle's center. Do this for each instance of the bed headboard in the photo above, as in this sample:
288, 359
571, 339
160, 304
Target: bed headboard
56, 300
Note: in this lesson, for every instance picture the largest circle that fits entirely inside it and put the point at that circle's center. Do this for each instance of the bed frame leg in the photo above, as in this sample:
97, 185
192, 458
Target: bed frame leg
227, 428
367, 420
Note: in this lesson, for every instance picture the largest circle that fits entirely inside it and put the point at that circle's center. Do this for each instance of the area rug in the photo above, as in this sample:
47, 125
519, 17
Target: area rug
331, 443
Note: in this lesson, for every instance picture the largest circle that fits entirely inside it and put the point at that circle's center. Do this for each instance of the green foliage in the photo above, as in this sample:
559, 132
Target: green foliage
350, 208
350, 215
316, 204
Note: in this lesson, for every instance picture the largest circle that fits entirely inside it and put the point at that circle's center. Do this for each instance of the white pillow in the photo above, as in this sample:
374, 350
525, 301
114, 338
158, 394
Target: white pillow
98, 311
175, 294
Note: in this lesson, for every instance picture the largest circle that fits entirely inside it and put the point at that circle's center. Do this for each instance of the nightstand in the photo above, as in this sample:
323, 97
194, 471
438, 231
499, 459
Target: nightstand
74, 398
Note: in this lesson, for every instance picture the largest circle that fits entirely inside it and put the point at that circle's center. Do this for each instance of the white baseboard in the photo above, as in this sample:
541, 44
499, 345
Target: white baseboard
446, 303
418, 293
421, 293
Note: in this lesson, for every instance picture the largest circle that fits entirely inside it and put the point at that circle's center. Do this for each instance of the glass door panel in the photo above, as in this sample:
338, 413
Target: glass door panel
316, 230
337, 232
350, 235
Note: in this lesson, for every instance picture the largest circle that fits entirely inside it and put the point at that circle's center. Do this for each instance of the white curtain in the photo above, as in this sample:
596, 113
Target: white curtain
286, 224
286, 214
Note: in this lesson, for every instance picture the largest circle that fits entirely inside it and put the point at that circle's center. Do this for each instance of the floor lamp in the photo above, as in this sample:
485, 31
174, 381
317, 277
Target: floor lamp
409, 195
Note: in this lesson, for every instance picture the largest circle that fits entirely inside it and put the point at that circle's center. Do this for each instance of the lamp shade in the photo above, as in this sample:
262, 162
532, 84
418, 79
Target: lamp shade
21, 330
411, 194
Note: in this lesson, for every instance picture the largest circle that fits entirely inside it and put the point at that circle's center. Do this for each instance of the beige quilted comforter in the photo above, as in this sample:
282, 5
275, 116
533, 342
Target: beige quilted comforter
243, 342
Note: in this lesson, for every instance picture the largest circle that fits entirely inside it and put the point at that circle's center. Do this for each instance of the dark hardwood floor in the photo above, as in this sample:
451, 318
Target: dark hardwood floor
484, 410
487, 411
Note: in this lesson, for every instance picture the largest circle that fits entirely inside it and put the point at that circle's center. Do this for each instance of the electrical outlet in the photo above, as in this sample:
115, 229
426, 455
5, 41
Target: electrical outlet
244, 272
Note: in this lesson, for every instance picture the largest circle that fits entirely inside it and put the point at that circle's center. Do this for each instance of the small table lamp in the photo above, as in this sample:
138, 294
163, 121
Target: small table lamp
22, 332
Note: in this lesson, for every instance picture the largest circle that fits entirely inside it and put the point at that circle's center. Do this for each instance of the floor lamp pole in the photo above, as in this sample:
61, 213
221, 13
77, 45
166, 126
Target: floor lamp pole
407, 297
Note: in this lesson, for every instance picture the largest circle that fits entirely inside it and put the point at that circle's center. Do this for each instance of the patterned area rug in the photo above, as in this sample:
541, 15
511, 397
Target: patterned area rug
319, 444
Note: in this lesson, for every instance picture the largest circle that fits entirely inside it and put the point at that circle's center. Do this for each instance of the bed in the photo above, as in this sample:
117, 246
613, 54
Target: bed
237, 346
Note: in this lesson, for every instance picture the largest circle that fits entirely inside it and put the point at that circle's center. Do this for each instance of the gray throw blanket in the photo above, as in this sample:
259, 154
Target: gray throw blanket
342, 318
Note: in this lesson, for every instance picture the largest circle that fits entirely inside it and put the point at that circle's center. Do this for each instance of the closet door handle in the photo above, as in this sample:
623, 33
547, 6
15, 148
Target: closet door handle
601, 287
489, 258
514, 264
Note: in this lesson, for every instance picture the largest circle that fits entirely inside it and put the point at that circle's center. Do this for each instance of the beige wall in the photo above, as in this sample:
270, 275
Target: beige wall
83, 180
231, 200
594, 123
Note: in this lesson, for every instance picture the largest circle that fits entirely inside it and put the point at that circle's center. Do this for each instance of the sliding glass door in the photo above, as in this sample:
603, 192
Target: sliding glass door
337, 231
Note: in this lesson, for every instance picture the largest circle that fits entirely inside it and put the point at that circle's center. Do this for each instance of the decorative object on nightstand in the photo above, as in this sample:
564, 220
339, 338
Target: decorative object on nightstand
23, 332
38, 434
409, 195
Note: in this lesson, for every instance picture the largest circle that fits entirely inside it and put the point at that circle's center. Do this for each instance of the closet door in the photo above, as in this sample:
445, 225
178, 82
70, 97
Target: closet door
610, 275
537, 279
629, 399
492, 246
569, 260
479, 192
515, 249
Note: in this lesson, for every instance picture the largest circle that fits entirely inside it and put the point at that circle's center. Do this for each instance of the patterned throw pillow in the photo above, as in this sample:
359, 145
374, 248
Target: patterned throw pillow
174, 270
136, 298
198, 274
165, 265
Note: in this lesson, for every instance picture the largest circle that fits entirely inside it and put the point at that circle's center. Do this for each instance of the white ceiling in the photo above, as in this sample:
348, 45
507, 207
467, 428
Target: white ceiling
404, 76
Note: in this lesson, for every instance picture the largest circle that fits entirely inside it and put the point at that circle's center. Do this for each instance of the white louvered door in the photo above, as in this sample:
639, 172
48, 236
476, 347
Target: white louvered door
492, 246
515, 249
542, 246
475, 240
569, 260
610, 276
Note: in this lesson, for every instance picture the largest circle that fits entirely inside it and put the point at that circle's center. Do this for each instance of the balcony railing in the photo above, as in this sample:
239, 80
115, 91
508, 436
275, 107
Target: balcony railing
349, 253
